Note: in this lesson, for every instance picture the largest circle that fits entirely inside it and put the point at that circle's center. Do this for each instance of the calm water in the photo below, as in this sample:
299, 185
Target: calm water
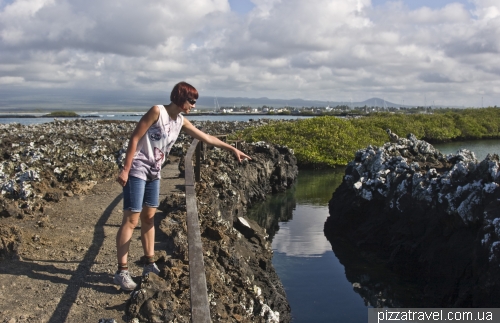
314, 279
481, 148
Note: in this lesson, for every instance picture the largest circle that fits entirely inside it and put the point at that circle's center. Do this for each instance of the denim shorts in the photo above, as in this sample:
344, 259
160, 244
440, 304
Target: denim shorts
138, 192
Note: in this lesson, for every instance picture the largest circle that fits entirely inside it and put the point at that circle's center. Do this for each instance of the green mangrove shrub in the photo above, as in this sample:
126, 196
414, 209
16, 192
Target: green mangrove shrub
318, 142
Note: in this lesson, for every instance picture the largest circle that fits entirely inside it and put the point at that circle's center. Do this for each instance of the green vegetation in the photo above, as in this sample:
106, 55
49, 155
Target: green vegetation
317, 190
62, 114
321, 141
467, 124
330, 141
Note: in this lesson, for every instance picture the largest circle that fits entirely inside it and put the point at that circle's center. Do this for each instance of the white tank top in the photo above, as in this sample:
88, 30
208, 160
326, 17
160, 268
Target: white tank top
155, 145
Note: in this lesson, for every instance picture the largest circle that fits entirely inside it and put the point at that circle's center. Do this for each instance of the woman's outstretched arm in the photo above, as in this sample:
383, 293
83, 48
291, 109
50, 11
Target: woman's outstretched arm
211, 140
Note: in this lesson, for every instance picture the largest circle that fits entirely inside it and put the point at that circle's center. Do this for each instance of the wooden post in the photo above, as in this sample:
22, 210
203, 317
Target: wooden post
237, 143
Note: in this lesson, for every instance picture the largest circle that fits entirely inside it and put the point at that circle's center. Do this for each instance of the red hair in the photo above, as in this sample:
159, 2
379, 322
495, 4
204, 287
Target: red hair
181, 92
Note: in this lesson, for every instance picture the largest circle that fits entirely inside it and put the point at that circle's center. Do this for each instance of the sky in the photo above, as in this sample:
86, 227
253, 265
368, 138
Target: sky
114, 52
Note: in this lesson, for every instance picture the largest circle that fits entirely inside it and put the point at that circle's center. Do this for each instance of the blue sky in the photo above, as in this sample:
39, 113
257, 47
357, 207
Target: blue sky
444, 52
241, 6
415, 4
245, 6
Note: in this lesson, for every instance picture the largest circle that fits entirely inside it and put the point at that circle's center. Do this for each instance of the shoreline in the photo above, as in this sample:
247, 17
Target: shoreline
97, 114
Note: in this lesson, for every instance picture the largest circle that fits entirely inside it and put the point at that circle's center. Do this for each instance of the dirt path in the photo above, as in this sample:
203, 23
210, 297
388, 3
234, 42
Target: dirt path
68, 258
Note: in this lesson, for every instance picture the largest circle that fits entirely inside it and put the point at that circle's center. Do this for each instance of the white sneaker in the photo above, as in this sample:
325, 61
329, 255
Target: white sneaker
123, 279
152, 268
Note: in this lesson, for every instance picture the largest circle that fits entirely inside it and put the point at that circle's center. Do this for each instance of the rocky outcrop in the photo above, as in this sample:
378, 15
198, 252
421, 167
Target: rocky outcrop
430, 219
44, 162
242, 283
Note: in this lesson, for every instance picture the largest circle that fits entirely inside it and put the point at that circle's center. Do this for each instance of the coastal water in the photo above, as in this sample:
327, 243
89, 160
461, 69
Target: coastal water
481, 148
128, 116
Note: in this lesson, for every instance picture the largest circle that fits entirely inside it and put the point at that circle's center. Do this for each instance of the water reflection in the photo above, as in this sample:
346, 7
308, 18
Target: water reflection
312, 189
316, 187
314, 280
277, 208
374, 282
303, 237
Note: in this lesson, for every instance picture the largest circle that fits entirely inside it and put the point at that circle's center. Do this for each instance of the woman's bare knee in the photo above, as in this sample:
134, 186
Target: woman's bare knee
130, 220
147, 215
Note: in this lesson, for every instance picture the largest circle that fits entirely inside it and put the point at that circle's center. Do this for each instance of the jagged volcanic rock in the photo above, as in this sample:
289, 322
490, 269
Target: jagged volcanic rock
433, 220
44, 162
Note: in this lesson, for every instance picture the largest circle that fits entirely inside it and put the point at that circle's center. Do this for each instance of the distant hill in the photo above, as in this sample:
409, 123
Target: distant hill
209, 103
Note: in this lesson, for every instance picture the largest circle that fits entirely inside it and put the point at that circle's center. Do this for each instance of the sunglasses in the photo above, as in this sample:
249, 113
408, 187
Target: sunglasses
191, 101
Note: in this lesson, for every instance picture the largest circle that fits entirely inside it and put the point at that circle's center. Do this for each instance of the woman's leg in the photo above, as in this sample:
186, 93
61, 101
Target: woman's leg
150, 204
133, 196
148, 230
151, 200
124, 235
133, 193
122, 276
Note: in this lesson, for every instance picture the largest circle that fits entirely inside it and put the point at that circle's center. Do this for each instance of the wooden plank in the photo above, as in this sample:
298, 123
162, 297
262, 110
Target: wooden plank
237, 143
200, 309
197, 165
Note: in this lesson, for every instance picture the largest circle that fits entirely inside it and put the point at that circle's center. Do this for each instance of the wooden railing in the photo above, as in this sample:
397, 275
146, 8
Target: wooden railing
200, 309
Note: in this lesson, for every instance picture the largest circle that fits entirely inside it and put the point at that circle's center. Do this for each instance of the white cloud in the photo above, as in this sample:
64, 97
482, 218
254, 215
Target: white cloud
11, 80
303, 237
317, 49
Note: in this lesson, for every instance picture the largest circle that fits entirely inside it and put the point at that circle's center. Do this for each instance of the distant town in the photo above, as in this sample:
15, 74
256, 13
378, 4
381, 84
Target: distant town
312, 111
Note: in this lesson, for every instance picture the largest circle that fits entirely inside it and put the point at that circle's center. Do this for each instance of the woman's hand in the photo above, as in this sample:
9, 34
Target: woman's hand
122, 177
240, 155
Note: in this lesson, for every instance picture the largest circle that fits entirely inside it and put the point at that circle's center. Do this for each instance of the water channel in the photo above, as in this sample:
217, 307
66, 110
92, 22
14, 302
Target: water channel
314, 279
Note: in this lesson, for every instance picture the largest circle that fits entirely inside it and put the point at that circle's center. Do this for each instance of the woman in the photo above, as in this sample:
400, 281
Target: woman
148, 147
